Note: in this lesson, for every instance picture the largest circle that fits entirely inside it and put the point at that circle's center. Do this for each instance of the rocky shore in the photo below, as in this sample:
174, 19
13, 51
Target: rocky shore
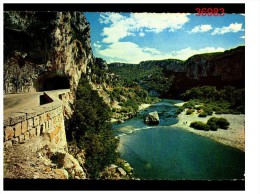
130, 115
234, 136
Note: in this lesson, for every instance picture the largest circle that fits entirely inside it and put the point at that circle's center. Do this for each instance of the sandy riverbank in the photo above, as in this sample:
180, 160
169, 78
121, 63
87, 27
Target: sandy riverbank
234, 136
143, 106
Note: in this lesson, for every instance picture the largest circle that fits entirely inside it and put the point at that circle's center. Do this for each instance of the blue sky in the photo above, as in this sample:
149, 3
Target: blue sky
135, 37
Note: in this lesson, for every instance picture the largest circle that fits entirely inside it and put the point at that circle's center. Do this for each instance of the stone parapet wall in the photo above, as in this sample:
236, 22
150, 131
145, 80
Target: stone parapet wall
44, 121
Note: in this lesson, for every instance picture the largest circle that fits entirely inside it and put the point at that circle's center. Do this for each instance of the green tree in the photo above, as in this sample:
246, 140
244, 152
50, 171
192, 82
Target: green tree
90, 128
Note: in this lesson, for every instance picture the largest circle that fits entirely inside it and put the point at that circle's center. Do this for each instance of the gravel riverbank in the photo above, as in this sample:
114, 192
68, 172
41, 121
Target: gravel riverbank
234, 136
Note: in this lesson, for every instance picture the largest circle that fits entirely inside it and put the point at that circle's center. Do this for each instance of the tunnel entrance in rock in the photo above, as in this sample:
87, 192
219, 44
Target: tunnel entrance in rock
54, 82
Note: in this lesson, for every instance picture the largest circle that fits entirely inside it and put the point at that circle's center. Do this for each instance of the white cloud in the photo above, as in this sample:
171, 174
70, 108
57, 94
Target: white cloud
227, 29
129, 52
106, 18
141, 34
121, 26
96, 45
201, 28
243, 37
188, 52
157, 22
242, 14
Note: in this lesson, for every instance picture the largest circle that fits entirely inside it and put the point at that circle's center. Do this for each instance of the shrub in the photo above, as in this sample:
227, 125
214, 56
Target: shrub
212, 124
189, 111
200, 126
203, 114
222, 123
198, 107
208, 111
216, 123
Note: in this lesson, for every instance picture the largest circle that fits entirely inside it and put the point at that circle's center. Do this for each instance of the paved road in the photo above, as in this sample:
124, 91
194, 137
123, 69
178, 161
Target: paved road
17, 102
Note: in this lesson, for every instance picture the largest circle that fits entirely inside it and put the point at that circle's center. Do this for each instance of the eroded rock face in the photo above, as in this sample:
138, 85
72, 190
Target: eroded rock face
152, 118
72, 166
42, 49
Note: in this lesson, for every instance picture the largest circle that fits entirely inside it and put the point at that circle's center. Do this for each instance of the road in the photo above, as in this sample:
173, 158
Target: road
17, 102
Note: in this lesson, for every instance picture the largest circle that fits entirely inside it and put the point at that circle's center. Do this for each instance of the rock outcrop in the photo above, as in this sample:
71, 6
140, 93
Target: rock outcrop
45, 50
152, 118
216, 69
72, 166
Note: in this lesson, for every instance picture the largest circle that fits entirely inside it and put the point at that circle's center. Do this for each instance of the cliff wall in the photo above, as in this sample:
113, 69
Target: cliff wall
45, 50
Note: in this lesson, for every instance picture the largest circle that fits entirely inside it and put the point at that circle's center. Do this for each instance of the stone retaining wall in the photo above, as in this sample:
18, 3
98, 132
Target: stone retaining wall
45, 121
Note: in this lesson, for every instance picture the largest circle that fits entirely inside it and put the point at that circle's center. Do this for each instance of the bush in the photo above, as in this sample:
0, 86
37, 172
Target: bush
200, 126
222, 101
216, 123
212, 124
189, 111
203, 114
222, 123
208, 111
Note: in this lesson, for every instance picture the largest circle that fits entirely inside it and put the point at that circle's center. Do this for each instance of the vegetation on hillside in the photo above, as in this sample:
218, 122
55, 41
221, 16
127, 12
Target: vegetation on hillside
129, 99
208, 99
149, 77
90, 129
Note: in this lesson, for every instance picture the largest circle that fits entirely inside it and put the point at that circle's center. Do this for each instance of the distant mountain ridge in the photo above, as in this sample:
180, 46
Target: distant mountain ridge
217, 69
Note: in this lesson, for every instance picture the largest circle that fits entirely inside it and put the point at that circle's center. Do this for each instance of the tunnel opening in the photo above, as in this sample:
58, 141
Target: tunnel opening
54, 82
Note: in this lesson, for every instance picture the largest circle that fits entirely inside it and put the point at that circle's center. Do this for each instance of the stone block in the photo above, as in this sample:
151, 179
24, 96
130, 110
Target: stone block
47, 107
21, 139
39, 110
8, 144
43, 128
42, 118
30, 122
54, 121
48, 116
32, 133
52, 134
15, 140
17, 117
7, 119
56, 105
30, 113
26, 136
9, 133
17, 129
38, 130
46, 126
50, 122
24, 126
36, 121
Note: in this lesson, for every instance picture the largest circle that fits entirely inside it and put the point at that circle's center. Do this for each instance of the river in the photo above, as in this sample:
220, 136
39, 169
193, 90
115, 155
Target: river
164, 152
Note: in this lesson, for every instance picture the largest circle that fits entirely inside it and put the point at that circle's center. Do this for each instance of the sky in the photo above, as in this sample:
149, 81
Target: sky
136, 37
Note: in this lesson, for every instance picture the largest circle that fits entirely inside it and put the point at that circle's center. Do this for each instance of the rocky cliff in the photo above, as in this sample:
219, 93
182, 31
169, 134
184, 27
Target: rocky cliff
45, 50
218, 69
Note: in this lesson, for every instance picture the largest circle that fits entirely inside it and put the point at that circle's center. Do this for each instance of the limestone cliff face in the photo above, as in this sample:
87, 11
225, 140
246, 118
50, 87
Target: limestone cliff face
45, 50
217, 69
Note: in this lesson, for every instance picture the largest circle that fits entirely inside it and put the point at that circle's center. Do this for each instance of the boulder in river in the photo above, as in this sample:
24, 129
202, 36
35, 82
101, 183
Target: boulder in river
152, 118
